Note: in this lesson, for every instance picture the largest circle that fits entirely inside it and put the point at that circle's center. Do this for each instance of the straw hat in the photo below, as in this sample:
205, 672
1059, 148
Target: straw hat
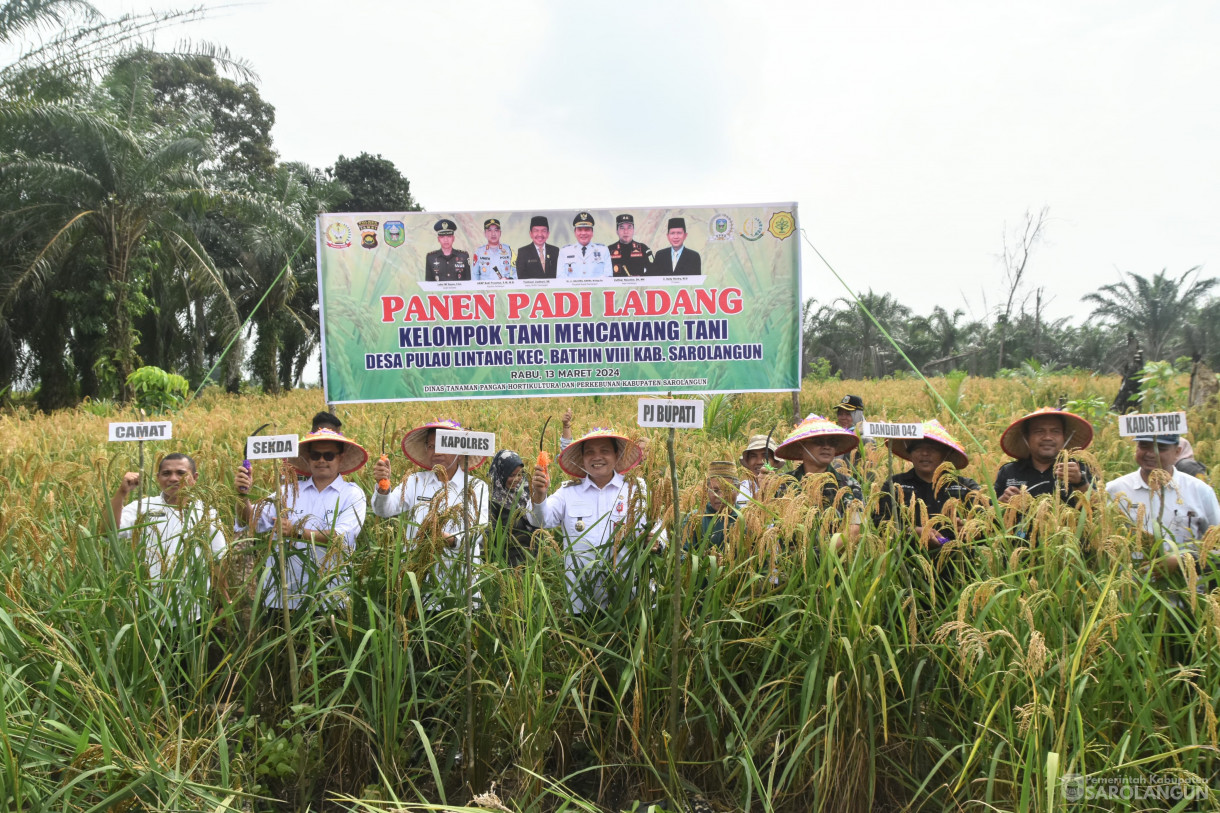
933, 431
629, 454
723, 470
1077, 430
352, 456
415, 444
816, 426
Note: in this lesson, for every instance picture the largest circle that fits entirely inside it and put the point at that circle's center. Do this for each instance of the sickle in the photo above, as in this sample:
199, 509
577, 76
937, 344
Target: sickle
245, 464
384, 483
767, 448
542, 434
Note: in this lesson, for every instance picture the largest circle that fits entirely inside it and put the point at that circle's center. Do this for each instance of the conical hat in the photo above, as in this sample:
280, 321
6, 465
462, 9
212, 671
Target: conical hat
351, 458
1077, 431
816, 426
415, 444
629, 454
933, 431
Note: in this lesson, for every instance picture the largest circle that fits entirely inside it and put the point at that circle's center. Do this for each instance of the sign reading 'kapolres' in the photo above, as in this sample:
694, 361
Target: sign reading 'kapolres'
421, 306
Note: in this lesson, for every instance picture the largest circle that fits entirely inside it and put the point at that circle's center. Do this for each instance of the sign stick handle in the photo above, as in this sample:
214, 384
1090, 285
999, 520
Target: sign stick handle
140, 486
469, 556
675, 667
293, 680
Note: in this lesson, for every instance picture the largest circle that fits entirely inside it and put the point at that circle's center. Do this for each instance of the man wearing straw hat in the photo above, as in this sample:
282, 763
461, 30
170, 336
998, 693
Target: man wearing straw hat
166, 523
919, 489
758, 458
1177, 509
600, 513
712, 525
321, 515
1035, 442
815, 443
436, 495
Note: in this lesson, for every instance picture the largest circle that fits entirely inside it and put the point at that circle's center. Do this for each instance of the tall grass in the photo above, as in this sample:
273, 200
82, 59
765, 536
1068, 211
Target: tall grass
873, 678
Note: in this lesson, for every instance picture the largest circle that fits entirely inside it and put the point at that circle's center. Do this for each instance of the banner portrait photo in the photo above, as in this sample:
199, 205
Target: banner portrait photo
435, 305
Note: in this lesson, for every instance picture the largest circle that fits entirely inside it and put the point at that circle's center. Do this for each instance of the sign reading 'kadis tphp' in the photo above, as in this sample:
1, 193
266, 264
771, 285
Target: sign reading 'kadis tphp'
670, 413
142, 430
421, 306
1154, 423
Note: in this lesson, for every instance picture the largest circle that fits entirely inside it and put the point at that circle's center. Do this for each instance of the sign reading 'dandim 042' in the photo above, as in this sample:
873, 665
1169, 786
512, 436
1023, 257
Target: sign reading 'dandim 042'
478, 444
271, 447
670, 413
1155, 423
431, 306
901, 431
142, 430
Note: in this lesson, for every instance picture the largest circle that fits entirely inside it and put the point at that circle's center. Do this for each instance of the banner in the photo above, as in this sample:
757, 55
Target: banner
432, 305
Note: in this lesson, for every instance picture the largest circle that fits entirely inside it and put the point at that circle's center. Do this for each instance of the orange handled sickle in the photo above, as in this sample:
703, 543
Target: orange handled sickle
544, 459
384, 482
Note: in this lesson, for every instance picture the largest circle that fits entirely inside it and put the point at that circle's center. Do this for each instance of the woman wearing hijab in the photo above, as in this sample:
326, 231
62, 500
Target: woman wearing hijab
509, 506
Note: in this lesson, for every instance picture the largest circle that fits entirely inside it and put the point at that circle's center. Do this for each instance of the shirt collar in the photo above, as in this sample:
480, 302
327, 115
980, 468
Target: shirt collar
615, 482
334, 484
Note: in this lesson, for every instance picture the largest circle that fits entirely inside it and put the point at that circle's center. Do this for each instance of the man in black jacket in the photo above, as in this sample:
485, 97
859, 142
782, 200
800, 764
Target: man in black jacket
677, 260
539, 259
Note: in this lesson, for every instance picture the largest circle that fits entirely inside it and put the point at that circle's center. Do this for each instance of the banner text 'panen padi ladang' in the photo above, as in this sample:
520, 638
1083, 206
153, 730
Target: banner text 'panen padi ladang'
432, 306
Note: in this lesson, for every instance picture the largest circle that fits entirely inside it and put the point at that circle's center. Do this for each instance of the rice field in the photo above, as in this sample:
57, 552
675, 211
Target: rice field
779, 676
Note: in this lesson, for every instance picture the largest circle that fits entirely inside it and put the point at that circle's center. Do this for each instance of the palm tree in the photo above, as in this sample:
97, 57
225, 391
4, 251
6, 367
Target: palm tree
1156, 310
100, 168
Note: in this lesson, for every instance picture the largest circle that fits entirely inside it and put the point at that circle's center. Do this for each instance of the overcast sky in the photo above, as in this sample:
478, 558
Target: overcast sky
909, 133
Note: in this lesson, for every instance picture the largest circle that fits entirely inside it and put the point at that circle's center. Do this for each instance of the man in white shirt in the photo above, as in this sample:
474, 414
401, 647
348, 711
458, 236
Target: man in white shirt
584, 259
321, 518
757, 458
429, 501
1179, 512
174, 530
601, 513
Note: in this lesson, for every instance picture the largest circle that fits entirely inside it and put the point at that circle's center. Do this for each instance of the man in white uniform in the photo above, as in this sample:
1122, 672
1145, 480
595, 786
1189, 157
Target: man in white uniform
601, 513
429, 500
1178, 513
493, 260
180, 536
321, 518
584, 259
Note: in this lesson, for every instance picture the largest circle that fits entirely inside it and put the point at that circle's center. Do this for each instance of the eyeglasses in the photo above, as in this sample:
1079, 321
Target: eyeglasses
327, 456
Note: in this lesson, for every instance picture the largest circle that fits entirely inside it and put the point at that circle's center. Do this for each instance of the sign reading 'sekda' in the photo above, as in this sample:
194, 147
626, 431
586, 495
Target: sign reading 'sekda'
271, 447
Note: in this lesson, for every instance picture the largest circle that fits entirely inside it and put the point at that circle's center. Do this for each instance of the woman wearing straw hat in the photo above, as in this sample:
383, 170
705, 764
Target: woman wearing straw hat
600, 513
1034, 441
815, 443
321, 515
440, 487
918, 489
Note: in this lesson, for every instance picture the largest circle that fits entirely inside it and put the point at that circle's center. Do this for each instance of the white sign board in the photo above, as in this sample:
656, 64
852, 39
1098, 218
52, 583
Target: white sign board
142, 430
900, 431
269, 447
1156, 423
671, 413
478, 444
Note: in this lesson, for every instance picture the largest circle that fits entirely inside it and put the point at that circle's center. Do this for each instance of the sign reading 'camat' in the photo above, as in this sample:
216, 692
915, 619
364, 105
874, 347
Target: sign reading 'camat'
142, 430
